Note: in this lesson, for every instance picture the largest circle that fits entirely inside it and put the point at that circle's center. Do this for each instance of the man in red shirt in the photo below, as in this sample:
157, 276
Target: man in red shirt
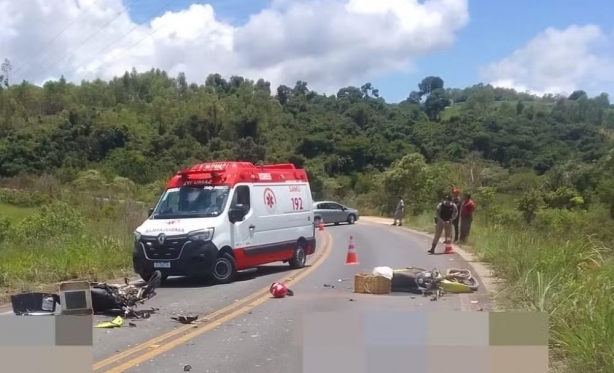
466, 213
457, 201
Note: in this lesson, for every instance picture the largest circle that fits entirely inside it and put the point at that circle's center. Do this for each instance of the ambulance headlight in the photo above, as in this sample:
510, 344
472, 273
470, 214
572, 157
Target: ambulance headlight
137, 236
201, 234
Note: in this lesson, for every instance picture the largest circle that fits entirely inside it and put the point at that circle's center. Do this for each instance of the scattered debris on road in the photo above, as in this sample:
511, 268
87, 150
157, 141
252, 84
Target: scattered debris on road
131, 324
187, 368
329, 286
34, 304
116, 323
185, 319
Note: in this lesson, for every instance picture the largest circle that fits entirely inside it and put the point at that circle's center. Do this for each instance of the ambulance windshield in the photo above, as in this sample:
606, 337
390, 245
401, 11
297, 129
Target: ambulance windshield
194, 201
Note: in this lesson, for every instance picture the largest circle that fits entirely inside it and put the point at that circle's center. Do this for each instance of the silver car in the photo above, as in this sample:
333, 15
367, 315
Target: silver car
333, 212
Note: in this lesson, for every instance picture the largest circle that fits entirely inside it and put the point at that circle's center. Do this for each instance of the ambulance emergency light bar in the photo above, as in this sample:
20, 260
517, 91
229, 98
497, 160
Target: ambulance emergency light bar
213, 169
216, 169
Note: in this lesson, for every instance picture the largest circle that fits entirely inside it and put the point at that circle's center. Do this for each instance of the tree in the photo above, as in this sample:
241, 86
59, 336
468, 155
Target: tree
435, 103
576, 95
430, 84
6, 69
409, 178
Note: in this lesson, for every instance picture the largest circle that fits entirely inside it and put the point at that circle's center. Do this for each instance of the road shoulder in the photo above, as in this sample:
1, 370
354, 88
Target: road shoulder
489, 281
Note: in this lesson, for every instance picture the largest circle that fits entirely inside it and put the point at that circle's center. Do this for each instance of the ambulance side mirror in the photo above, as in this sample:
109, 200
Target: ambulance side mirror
150, 211
236, 213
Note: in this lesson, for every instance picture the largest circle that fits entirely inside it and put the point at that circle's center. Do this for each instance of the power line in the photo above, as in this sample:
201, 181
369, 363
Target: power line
155, 14
127, 8
105, 63
50, 41
167, 5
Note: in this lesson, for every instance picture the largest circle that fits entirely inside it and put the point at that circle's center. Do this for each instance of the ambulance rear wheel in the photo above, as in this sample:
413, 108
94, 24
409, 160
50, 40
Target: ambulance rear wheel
299, 259
224, 269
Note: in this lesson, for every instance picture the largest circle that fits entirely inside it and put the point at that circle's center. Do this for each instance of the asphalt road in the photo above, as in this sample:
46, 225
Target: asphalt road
241, 328
264, 334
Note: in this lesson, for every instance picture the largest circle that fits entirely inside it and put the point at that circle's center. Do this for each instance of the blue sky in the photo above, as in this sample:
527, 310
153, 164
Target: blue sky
499, 27
496, 29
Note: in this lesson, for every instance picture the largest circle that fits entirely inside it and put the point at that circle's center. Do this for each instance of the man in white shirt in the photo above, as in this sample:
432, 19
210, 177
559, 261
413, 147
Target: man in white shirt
398, 214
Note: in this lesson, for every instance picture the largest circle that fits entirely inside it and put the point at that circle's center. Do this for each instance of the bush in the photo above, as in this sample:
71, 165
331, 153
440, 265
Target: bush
57, 221
5, 228
559, 220
23, 198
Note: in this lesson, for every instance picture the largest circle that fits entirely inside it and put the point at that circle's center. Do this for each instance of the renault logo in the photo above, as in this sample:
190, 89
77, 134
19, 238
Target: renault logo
161, 238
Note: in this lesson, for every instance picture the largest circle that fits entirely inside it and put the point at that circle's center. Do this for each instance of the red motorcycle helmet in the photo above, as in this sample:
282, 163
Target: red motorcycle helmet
279, 290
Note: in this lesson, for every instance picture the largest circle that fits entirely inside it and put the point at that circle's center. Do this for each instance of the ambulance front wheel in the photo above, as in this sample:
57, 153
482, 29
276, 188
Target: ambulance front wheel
299, 259
224, 269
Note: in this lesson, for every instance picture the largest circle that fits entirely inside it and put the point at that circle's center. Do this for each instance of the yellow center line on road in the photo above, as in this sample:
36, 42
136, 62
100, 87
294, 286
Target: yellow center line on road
159, 345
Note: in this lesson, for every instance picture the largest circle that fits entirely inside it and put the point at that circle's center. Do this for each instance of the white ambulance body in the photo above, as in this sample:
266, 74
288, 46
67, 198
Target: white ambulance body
218, 218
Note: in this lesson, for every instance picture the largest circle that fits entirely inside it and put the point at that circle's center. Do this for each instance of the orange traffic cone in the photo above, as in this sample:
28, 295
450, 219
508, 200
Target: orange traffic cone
351, 258
321, 225
449, 249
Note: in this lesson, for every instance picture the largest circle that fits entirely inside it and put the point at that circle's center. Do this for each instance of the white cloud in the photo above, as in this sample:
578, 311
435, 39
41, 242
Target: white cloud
328, 43
558, 61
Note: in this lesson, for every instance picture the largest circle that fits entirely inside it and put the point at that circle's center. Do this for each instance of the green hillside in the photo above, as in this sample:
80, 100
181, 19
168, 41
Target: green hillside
540, 168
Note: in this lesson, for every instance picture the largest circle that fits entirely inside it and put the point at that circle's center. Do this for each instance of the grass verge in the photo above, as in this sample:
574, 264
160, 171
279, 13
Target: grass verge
67, 238
571, 278
15, 214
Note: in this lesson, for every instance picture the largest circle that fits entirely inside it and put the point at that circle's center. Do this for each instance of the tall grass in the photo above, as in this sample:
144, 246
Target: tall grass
68, 235
552, 266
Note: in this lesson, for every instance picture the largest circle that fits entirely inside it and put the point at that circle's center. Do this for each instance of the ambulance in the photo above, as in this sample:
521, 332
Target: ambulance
215, 219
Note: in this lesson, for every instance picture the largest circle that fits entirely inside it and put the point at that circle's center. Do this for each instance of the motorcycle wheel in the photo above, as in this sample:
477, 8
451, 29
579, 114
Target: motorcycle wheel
472, 283
154, 283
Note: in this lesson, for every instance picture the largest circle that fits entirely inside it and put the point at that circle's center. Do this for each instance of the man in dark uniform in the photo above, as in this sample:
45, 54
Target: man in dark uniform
446, 213
457, 201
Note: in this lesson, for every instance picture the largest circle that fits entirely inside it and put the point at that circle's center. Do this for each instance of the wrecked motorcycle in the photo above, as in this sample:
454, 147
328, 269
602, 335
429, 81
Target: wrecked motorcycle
125, 297
416, 280
419, 280
105, 298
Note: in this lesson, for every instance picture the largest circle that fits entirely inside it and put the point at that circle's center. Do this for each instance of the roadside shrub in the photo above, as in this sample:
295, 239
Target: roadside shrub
22, 198
56, 220
561, 220
5, 228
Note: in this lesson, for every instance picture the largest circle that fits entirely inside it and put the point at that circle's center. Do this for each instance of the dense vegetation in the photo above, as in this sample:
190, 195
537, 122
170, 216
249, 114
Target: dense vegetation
540, 168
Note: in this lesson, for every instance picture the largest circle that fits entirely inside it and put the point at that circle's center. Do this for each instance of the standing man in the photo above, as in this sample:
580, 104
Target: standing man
457, 201
398, 214
446, 213
466, 213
